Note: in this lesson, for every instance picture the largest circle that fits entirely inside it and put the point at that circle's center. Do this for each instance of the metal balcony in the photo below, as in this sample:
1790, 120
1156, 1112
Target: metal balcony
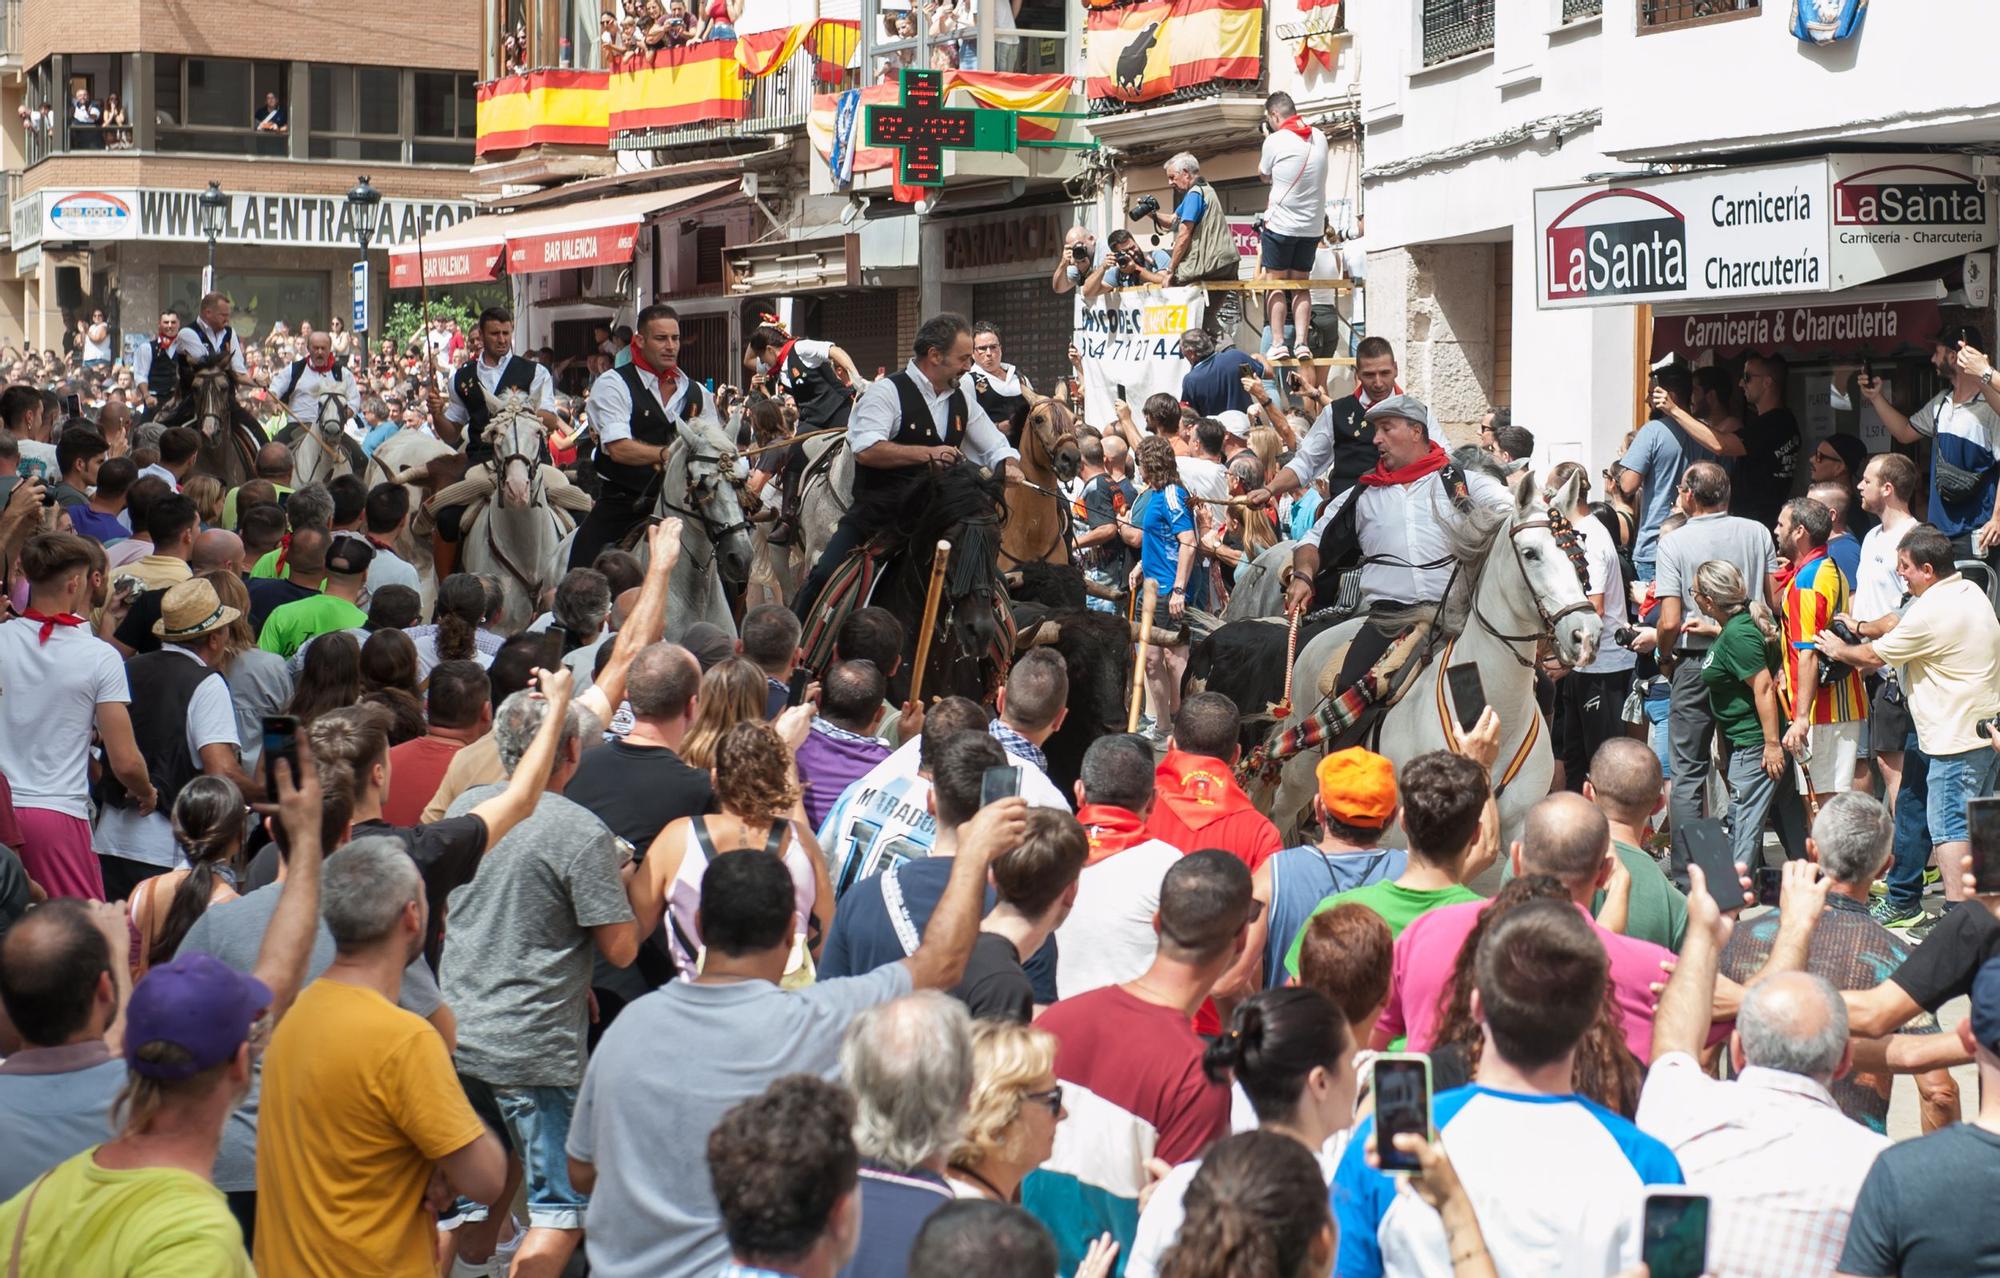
777, 103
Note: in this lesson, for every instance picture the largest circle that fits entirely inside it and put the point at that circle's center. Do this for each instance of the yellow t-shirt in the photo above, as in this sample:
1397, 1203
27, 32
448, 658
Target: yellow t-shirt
359, 1101
124, 1224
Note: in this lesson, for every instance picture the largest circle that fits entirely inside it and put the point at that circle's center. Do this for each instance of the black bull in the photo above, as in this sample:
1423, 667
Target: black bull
1245, 661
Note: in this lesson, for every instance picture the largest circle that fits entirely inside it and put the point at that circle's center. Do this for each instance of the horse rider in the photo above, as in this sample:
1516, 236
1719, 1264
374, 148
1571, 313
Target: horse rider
902, 425
999, 387
206, 342
637, 410
154, 368
300, 387
804, 369
1340, 444
461, 415
1396, 523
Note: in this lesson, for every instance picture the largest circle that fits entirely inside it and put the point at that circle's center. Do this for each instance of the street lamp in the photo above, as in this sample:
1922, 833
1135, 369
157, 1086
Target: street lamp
364, 205
214, 210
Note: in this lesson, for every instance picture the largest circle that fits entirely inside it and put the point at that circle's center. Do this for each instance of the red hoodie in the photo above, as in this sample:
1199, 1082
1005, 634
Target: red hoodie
1197, 804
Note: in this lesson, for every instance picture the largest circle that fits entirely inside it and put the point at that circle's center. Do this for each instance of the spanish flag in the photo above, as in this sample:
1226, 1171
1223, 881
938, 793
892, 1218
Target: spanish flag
670, 87
831, 40
1144, 51
567, 108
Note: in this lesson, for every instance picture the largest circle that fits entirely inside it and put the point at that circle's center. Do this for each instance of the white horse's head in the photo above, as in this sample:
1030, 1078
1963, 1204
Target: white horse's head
331, 421
1548, 557
714, 470
515, 433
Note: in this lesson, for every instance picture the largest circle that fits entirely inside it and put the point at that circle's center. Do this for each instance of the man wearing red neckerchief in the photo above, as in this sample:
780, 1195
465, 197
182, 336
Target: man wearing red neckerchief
1402, 522
1341, 444
1294, 163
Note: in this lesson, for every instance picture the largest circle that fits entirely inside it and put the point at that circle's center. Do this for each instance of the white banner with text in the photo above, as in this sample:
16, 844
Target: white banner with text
1131, 347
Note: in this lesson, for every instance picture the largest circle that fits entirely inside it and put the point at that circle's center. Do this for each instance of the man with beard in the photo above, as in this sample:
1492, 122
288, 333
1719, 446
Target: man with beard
1964, 431
1341, 444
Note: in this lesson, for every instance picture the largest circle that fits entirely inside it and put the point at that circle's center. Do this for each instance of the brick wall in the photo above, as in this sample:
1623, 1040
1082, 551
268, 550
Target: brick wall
443, 36
192, 173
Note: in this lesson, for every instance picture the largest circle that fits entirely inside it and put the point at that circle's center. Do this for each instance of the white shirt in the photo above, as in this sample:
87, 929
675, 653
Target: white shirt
388, 568
201, 343
810, 353
1296, 168
1108, 938
1878, 591
1203, 478
49, 694
878, 415
1007, 382
1406, 523
1166, 1210
1036, 788
1600, 555
1354, 258
38, 461
303, 393
1327, 261
610, 406
541, 391
161, 472
211, 720
1780, 1163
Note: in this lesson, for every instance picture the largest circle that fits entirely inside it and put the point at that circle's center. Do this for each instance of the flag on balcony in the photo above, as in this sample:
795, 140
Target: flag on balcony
1144, 51
671, 87
831, 40
998, 90
564, 108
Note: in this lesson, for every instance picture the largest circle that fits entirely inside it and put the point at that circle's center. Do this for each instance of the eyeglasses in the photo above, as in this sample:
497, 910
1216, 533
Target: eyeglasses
1826, 457
1052, 1098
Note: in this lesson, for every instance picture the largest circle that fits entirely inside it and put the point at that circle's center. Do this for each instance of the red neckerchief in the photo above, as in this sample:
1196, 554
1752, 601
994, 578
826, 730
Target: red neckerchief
778, 360
284, 549
1110, 830
314, 365
666, 378
1293, 124
51, 621
1430, 463
1361, 397
378, 543
1198, 789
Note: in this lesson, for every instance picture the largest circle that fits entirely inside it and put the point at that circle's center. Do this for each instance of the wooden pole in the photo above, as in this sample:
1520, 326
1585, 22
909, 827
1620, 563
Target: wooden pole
1139, 667
940, 559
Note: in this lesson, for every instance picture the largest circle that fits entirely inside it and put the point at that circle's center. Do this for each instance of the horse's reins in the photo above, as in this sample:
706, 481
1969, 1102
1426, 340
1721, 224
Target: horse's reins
1549, 619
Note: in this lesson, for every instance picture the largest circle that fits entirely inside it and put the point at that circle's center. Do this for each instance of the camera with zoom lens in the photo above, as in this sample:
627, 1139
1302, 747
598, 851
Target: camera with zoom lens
1143, 207
1080, 254
1831, 671
1624, 635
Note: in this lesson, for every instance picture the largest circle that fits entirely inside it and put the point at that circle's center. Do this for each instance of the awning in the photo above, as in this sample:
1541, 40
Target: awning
600, 232
1880, 320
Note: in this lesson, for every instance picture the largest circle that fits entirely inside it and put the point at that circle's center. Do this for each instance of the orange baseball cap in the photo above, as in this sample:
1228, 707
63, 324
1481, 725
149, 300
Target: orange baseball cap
1358, 787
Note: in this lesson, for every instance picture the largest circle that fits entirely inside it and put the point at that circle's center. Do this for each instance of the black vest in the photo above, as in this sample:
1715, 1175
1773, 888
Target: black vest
159, 724
1354, 452
651, 425
999, 406
517, 375
823, 402
163, 379
338, 374
918, 429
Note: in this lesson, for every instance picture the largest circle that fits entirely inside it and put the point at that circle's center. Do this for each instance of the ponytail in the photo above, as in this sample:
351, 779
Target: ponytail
208, 826
1254, 1210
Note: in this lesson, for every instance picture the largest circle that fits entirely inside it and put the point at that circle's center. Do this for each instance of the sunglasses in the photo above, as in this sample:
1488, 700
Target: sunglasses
1052, 1098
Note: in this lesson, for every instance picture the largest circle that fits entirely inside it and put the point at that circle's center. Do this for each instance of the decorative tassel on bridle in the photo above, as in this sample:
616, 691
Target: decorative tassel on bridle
1571, 544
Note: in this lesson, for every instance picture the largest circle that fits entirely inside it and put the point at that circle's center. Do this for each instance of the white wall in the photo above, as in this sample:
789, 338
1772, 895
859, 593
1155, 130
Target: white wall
1915, 71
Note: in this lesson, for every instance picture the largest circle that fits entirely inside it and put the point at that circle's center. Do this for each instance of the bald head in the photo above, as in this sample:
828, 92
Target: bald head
114, 416
1116, 451
307, 557
1794, 1022
622, 606
662, 682
1625, 780
1566, 836
216, 548
55, 975
274, 462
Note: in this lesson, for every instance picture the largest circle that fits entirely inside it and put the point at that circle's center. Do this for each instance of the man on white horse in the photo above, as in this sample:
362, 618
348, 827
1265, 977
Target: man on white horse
301, 386
1394, 523
637, 410
496, 371
902, 425
1341, 444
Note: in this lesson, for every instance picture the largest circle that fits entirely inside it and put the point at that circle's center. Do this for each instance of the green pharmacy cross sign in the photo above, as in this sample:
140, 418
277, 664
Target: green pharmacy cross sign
923, 129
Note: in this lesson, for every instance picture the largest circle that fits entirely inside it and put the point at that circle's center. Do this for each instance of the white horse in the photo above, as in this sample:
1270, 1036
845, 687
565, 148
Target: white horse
826, 495
516, 533
699, 487
323, 450
1501, 605
404, 458
1259, 589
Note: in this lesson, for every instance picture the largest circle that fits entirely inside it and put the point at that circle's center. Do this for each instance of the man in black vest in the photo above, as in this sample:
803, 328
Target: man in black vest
998, 387
903, 424
462, 414
1341, 444
208, 341
637, 411
804, 368
154, 368
184, 724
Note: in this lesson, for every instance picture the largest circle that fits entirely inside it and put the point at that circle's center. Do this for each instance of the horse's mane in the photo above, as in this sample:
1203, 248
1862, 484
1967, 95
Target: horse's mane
962, 504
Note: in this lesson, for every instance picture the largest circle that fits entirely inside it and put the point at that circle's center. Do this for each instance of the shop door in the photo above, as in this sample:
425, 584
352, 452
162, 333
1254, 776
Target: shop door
864, 325
1035, 325
705, 347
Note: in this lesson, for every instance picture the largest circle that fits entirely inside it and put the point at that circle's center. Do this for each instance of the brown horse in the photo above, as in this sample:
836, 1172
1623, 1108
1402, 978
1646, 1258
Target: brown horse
229, 436
1038, 513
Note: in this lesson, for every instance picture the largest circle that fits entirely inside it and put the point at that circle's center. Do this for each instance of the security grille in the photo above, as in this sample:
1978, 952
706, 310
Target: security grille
1454, 28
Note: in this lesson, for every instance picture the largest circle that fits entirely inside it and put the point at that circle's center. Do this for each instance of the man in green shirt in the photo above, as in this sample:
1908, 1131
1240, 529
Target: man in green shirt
1454, 836
337, 606
1626, 784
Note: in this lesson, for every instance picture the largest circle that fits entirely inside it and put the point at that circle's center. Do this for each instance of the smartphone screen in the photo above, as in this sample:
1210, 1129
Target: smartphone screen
1705, 843
1468, 695
1983, 816
281, 732
1675, 1235
73, 405
999, 783
1402, 1104
795, 690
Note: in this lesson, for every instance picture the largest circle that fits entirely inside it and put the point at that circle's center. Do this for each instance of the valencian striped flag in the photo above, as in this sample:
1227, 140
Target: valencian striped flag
1143, 51
565, 108
670, 87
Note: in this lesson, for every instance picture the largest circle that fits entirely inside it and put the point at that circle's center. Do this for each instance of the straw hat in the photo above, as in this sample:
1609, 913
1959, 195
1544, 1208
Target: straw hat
190, 610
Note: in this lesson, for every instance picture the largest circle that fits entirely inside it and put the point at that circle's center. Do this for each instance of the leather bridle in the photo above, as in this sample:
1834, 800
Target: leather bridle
1549, 619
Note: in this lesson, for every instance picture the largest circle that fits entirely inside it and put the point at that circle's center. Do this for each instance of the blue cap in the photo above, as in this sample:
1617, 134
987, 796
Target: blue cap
1986, 1005
199, 1004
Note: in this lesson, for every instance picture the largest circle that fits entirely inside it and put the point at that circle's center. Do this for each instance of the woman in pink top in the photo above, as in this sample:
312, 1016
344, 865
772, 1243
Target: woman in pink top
759, 797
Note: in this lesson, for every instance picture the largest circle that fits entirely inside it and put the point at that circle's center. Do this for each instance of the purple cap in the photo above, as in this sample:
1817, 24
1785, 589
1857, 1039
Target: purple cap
199, 1004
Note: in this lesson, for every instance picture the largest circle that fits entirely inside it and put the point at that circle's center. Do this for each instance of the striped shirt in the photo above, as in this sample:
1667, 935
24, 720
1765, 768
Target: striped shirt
1813, 595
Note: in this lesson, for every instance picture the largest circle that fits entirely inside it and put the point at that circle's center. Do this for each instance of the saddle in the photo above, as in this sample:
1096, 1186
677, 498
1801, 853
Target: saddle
1350, 716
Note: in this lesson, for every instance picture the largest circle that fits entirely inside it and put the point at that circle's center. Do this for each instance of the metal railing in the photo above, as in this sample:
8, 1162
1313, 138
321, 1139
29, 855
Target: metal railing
1454, 28
10, 190
777, 103
10, 31
1659, 14
1578, 10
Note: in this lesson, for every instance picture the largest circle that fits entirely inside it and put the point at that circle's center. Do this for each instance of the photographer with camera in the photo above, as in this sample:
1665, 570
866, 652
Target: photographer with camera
1827, 703
1964, 432
1079, 246
1128, 265
1203, 249
1946, 646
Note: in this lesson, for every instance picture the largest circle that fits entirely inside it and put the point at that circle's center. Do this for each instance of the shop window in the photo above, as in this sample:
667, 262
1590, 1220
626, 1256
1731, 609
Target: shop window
1667, 15
1455, 28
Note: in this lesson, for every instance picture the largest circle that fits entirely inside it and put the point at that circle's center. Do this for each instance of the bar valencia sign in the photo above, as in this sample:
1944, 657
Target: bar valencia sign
1800, 226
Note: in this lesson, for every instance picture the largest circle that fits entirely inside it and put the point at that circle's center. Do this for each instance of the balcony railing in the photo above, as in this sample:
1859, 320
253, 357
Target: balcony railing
10, 34
1454, 28
1665, 15
775, 103
1578, 10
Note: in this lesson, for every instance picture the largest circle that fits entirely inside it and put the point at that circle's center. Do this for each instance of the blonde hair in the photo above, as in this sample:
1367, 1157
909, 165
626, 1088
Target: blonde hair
1007, 1058
1723, 585
205, 491
732, 692
230, 592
